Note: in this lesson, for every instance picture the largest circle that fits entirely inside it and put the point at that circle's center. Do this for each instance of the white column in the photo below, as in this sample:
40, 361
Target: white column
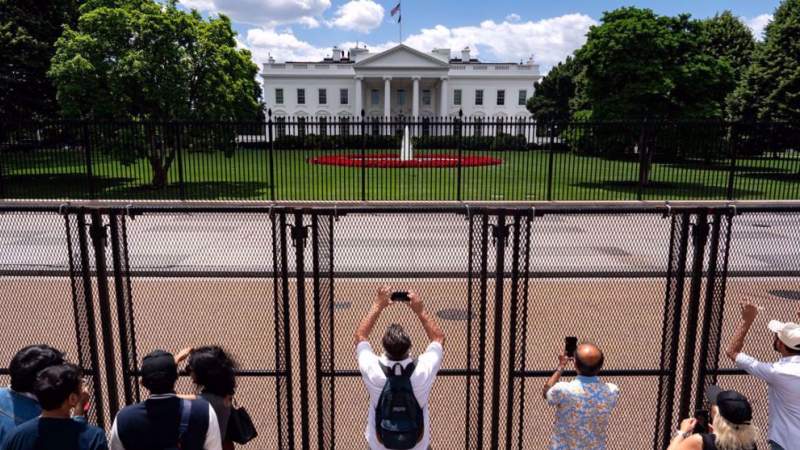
415, 98
359, 102
387, 95
443, 106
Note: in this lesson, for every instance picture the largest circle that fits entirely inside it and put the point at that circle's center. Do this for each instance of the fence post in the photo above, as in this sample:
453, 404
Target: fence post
179, 144
87, 150
732, 172
499, 234
460, 146
271, 155
642, 161
97, 231
2, 183
363, 159
551, 132
700, 237
299, 235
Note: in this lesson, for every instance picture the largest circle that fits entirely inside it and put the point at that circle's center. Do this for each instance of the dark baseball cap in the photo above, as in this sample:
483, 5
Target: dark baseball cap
159, 364
732, 405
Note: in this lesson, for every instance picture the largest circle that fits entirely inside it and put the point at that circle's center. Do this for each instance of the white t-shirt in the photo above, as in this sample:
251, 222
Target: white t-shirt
422, 379
783, 381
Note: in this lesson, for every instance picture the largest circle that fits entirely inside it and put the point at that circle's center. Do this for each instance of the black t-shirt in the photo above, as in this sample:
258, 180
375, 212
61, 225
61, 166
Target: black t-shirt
56, 434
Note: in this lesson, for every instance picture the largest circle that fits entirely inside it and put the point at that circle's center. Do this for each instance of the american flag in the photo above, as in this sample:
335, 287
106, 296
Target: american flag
395, 11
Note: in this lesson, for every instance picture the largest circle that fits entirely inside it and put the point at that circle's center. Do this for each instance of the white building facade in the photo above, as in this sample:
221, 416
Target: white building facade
399, 82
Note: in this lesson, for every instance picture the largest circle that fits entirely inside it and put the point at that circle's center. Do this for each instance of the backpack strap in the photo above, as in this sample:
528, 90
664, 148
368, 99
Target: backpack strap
186, 410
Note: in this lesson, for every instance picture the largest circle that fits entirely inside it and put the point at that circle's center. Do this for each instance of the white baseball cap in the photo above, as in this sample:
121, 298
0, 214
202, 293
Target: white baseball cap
788, 333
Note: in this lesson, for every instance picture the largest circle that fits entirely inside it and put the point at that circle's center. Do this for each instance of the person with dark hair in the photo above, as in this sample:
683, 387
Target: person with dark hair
583, 405
18, 404
396, 362
213, 371
164, 420
782, 377
61, 393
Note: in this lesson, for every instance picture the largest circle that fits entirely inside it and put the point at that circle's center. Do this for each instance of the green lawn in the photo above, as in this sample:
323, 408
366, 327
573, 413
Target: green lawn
521, 176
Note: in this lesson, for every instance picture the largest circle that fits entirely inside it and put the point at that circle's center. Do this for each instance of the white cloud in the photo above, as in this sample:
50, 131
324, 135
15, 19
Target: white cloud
265, 13
281, 45
757, 24
513, 17
550, 40
358, 15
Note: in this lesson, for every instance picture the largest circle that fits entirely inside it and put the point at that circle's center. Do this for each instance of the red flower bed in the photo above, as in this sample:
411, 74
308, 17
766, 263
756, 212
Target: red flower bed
393, 160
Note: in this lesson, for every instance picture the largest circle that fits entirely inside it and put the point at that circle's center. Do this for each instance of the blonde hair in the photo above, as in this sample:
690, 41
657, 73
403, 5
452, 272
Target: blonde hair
731, 436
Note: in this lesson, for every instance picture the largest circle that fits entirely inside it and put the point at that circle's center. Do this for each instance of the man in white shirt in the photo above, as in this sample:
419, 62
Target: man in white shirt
782, 377
396, 345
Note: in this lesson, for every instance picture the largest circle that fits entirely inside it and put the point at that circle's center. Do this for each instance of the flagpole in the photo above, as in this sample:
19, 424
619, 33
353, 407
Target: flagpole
401, 21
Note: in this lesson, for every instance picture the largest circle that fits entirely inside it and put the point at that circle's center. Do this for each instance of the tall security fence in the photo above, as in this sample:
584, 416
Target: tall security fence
361, 158
283, 288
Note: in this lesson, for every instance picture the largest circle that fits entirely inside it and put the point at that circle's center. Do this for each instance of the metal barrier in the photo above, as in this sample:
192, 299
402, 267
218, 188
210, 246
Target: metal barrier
283, 287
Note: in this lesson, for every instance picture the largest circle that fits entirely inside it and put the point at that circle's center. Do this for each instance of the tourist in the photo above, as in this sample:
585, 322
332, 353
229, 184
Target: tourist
583, 405
405, 420
164, 420
18, 404
60, 392
731, 427
782, 377
214, 373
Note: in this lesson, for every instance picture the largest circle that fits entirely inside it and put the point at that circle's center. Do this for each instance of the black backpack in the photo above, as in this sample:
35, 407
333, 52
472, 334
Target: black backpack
398, 417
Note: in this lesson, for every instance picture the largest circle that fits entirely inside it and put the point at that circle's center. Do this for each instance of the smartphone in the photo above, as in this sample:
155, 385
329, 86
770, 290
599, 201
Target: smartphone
571, 344
400, 296
702, 417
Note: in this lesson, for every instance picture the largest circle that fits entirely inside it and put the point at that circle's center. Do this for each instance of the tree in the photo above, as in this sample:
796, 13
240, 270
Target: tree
28, 32
770, 87
552, 95
639, 65
729, 39
148, 62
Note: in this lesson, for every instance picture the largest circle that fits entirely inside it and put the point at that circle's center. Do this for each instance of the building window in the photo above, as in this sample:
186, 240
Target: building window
376, 97
301, 96
344, 96
401, 97
281, 126
479, 97
278, 96
457, 97
323, 96
523, 97
426, 97
501, 97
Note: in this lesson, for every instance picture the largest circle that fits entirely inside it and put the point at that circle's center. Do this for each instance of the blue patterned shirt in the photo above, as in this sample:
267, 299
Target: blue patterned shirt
583, 407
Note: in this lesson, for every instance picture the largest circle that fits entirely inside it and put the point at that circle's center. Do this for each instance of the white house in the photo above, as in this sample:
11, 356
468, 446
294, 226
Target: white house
401, 81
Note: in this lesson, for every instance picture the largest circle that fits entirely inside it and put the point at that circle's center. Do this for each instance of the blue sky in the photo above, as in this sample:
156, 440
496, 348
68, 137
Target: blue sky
496, 30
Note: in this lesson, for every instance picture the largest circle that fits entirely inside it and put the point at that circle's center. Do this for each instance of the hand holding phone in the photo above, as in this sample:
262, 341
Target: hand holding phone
701, 425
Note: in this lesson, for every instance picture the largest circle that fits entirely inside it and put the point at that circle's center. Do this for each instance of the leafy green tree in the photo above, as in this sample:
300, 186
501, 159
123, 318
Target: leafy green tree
639, 65
149, 62
770, 88
28, 32
552, 95
729, 39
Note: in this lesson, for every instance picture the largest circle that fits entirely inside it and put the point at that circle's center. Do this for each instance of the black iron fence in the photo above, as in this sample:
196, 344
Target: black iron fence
283, 288
358, 159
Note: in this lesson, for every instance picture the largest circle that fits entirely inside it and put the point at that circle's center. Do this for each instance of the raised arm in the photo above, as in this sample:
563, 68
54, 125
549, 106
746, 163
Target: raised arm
562, 364
435, 334
749, 312
368, 322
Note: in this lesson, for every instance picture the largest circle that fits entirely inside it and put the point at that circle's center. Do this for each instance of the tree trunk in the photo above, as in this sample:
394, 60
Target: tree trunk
160, 172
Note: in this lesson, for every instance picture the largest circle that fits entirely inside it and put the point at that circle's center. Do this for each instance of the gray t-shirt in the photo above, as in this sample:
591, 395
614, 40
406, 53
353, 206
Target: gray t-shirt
222, 410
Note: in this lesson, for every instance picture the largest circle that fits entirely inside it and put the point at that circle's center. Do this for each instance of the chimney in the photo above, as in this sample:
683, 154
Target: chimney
530, 60
358, 53
337, 54
465, 54
271, 60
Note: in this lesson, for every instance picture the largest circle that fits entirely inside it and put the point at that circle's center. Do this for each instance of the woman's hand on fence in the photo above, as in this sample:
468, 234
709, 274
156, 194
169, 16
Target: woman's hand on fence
563, 360
687, 426
183, 354
384, 297
749, 311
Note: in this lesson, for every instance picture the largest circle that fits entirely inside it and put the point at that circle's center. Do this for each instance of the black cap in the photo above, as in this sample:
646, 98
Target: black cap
732, 405
159, 364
